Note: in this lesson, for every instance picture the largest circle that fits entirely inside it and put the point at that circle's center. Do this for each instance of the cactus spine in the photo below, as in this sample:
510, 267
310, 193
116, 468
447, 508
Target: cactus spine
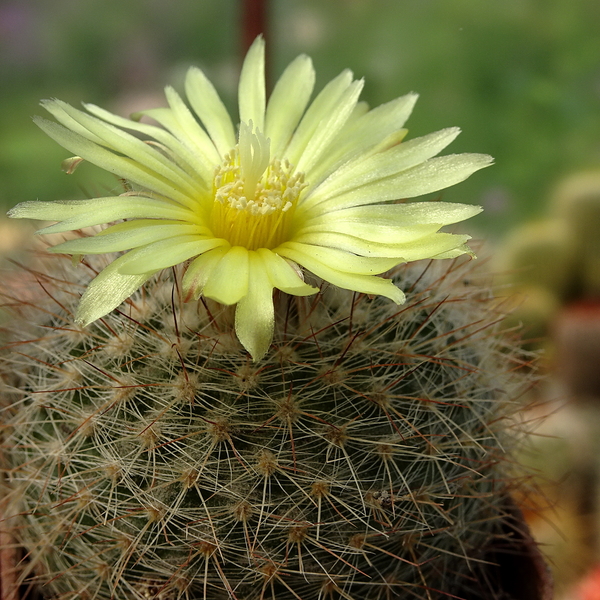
147, 456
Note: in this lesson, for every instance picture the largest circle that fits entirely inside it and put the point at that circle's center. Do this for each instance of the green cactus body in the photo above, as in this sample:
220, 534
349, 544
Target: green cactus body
540, 255
147, 456
576, 201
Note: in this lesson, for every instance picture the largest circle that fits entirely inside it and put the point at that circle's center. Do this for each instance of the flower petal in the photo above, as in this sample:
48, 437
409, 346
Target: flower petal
321, 108
435, 245
255, 314
405, 214
283, 276
376, 124
361, 109
391, 223
251, 90
75, 214
203, 152
202, 158
343, 261
376, 130
199, 270
438, 245
366, 284
120, 141
228, 282
455, 252
125, 236
365, 170
374, 233
430, 176
173, 140
166, 253
122, 166
288, 102
189, 129
109, 289
212, 112
328, 128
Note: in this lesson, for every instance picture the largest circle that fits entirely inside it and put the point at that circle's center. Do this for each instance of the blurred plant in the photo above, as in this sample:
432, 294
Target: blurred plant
556, 260
577, 204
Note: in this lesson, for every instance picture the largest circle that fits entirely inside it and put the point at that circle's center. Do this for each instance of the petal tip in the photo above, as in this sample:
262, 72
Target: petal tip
81, 319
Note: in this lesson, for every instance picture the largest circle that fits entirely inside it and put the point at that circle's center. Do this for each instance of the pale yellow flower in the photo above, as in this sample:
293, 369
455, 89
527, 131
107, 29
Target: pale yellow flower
295, 189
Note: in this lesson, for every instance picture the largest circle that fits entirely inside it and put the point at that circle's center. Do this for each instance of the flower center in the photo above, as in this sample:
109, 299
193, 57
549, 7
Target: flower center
254, 196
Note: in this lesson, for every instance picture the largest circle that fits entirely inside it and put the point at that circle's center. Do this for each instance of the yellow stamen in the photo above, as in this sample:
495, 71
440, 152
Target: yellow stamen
254, 196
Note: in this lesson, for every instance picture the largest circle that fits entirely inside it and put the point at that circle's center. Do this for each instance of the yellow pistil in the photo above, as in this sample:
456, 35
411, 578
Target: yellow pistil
254, 196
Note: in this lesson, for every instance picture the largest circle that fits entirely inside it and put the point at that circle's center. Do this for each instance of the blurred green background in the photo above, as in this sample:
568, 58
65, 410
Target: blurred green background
520, 77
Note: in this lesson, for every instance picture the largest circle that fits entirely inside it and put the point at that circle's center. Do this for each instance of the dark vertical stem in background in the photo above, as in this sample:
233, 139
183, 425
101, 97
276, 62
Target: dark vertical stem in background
254, 22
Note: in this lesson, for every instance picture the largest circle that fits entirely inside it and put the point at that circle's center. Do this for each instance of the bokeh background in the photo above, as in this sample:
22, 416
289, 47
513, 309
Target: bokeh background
520, 77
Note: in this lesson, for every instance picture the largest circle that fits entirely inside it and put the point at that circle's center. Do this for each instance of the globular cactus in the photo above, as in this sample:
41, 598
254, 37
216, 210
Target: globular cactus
576, 201
554, 261
147, 455
259, 420
539, 255
536, 265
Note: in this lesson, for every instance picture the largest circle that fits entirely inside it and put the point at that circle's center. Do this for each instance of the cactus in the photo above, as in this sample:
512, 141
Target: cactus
147, 456
576, 201
554, 260
539, 254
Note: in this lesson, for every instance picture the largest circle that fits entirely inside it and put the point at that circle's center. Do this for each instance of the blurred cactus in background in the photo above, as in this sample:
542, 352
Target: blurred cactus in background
535, 265
554, 261
577, 203
554, 266
147, 456
540, 255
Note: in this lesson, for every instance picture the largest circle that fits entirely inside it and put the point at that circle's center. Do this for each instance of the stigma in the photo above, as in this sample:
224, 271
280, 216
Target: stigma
254, 196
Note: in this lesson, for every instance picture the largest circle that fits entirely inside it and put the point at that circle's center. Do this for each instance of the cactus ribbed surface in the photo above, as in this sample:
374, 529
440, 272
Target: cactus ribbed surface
147, 456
